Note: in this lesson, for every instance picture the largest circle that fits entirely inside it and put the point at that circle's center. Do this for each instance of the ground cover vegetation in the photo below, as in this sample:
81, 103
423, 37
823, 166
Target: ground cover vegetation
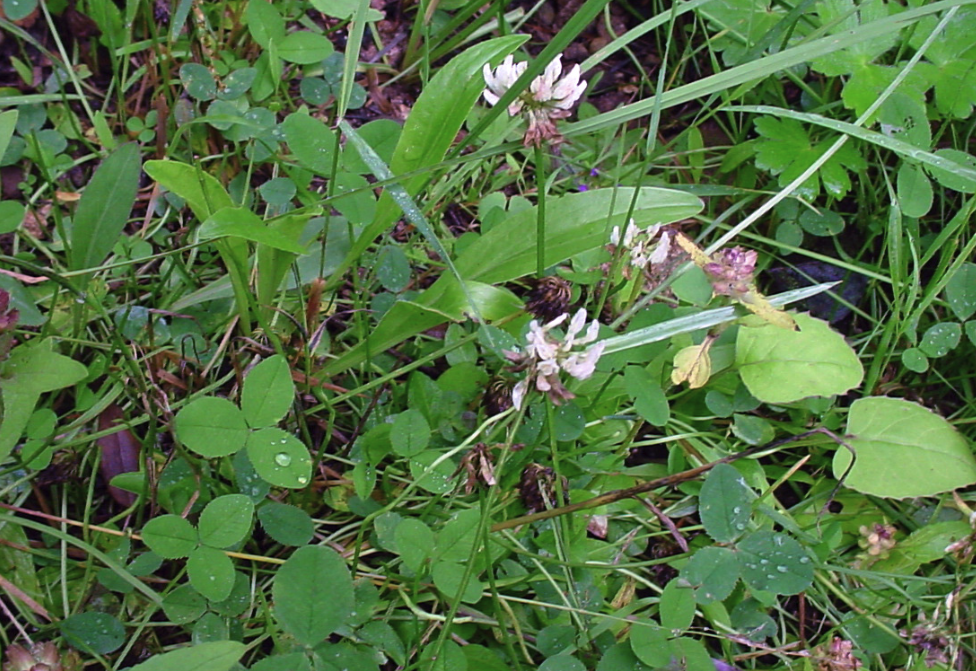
487, 335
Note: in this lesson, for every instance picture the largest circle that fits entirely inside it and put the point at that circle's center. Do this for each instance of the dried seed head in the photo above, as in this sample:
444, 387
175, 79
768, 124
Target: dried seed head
498, 396
549, 298
537, 488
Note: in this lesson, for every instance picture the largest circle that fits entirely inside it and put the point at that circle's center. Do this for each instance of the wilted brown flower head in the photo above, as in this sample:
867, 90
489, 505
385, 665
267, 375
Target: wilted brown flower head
838, 657
928, 640
478, 466
40, 657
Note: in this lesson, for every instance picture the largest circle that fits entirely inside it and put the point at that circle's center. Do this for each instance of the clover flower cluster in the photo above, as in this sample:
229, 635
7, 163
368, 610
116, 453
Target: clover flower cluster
546, 355
548, 98
646, 246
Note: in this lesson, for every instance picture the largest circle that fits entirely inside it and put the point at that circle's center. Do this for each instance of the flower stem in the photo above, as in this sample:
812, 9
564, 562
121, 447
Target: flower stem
540, 227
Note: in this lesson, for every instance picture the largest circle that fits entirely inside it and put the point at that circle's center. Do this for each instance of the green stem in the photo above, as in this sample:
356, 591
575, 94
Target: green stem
540, 228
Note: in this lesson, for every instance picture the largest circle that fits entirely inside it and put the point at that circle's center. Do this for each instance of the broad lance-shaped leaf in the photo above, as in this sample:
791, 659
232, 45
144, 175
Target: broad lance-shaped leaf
902, 450
104, 207
432, 127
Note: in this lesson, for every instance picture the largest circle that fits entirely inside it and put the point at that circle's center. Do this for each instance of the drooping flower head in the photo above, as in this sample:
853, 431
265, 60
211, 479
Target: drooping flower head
549, 96
546, 355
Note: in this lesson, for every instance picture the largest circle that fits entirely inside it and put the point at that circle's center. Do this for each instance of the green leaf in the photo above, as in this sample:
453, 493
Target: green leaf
786, 150
170, 536
265, 23
456, 542
211, 427
915, 195
279, 458
725, 504
104, 207
447, 577
782, 366
313, 594
238, 222
96, 632
647, 396
312, 143
268, 392
774, 562
961, 291
382, 136
286, 524
958, 176
650, 644
940, 339
713, 573
201, 190
226, 520
344, 9
677, 608
411, 434
8, 123
36, 369
216, 656
304, 47
184, 604
414, 542
211, 572
903, 450
198, 81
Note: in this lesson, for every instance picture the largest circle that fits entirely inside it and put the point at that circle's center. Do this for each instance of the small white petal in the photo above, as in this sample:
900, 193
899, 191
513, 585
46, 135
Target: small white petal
518, 393
615, 236
575, 326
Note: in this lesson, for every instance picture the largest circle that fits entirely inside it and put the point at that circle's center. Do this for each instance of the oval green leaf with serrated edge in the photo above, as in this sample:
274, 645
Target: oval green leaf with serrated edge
268, 392
782, 366
286, 524
677, 607
211, 573
312, 142
226, 520
215, 656
170, 536
279, 458
961, 291
725, 504
410, 435
903, 450
774, 562
99, 632
713, 573
313, 594
211, 427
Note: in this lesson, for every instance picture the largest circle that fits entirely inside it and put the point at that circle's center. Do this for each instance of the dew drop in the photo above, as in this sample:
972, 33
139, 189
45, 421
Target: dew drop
736, 510
763, 561
781, 569
302, 480
804, 560
283, 459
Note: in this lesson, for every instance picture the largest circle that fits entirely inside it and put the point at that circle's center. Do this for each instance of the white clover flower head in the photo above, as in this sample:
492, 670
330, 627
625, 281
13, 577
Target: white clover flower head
546, 356
549, 96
